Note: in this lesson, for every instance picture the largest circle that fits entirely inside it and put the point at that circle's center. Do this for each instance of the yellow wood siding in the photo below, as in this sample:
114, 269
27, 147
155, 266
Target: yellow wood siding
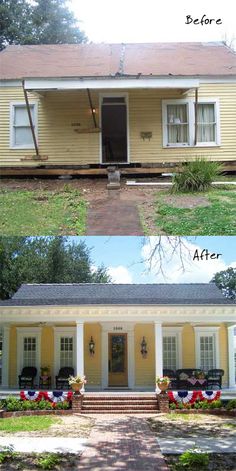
144, 367
58, 111
47, 349
92, 362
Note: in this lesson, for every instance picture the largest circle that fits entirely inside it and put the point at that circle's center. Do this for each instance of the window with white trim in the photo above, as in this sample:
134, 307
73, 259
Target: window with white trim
235, 365
207, 352
21, 135
66, 351
178, 118
170, 352
206, 115
29, 351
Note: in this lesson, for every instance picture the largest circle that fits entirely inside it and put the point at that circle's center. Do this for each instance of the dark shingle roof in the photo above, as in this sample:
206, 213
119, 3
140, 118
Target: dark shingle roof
92, 293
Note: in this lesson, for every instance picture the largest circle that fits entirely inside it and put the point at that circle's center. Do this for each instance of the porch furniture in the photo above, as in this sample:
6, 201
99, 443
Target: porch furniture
62, 377
214, 378
172, 375
27, 376
183, 376
45, 383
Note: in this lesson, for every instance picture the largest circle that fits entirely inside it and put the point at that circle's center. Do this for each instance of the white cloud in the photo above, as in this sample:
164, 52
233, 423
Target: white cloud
120, 274
194, 271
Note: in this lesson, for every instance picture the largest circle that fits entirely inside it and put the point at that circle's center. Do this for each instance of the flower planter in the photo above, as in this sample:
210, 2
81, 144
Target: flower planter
76, 387
162, 386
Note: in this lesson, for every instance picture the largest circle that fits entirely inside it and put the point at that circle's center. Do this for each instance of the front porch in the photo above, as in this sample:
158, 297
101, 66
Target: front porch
116, 356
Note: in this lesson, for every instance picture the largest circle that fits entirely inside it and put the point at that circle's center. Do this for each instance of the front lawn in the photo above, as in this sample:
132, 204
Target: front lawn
211, 213
37, 212
27, 424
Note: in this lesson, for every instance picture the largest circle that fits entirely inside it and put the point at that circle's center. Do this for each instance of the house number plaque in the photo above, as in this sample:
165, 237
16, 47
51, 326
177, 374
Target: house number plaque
117, 328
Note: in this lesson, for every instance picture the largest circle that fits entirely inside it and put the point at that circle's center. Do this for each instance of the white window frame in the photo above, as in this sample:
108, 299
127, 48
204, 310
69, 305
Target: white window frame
207, 332
28, 332
58, 333
177, 333
13, 105
190, 102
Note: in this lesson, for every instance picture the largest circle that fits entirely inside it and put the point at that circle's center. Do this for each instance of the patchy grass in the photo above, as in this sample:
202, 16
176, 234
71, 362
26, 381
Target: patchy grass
37, 212
27, 424
218, 218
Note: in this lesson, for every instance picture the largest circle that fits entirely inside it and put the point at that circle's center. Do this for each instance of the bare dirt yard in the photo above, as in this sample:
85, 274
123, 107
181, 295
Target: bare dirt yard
186, 426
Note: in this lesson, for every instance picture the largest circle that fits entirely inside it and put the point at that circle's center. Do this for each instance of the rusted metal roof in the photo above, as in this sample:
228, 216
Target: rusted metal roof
109, 60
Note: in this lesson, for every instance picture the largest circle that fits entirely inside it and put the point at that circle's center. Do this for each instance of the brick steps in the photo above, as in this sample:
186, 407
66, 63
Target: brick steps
119, 404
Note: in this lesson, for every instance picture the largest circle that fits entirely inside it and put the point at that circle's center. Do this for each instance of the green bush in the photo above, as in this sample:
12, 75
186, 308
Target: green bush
44, 405
63, 405
194, 459
13, 404
197, 175
6, 452
217, 404
172, 406
231, 404
48, 460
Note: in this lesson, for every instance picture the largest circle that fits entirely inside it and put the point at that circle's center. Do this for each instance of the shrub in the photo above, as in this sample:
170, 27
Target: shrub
215, 404
44, 405
197, 175
13, 404
231, 404
194, 459
63, 405
172, 406
48, 461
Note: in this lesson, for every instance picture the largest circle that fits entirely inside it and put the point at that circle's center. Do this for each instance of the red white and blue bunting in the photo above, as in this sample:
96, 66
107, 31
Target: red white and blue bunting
57, 396
209, 395
52, 396
31, 395
186, 397
189, 397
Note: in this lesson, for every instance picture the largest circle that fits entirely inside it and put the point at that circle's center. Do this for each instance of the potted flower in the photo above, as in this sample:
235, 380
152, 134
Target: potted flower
162, 383
77, 382
45, 371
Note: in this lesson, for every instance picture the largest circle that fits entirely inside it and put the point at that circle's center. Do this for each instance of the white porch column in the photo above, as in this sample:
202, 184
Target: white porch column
158, 350
80, 348
231, 356
5, 356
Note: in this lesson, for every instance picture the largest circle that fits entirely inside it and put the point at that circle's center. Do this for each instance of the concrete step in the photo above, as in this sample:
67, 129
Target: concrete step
127, 401
119, 398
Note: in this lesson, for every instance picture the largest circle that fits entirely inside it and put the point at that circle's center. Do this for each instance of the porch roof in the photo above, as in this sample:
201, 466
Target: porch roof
115, 294
191, 59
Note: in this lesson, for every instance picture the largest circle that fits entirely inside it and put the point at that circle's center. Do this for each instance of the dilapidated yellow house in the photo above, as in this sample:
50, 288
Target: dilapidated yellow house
117, 335
87, 106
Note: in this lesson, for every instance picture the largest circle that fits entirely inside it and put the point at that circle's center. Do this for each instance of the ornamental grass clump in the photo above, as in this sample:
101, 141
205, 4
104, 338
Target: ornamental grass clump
197, 175
194, 459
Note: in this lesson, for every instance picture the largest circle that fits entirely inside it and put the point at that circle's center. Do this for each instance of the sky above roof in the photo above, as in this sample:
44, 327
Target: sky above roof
151, 21
127, 258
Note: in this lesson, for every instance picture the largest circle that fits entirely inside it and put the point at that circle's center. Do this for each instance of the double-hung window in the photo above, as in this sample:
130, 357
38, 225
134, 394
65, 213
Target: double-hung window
178, 118
170, 360
66, 351
207, 347
21, 134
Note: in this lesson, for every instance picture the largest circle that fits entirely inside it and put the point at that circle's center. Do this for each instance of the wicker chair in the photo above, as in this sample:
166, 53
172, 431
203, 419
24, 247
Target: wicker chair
27, 376
214, 378
62, 377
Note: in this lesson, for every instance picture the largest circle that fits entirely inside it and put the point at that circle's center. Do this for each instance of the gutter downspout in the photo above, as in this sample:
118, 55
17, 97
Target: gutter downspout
196, 116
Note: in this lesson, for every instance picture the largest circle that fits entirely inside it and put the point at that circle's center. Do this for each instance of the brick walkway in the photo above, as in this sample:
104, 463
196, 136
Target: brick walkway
113, 217
122, 443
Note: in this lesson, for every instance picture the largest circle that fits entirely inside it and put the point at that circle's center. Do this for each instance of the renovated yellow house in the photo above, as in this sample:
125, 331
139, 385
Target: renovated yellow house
86, 106
117, 335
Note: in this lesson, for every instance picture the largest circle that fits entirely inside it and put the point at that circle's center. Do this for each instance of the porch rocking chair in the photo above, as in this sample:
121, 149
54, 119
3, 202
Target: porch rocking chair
27, 376
214, 378
62, 377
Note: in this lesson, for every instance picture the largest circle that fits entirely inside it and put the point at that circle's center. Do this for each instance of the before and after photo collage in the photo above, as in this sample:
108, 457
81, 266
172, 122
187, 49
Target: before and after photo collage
117, 235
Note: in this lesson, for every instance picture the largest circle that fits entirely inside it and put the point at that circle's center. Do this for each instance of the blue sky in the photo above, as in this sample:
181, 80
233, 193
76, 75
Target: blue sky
126, 258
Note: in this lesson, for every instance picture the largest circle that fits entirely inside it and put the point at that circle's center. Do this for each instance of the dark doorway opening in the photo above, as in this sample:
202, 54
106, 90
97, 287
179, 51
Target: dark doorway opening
114, 132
